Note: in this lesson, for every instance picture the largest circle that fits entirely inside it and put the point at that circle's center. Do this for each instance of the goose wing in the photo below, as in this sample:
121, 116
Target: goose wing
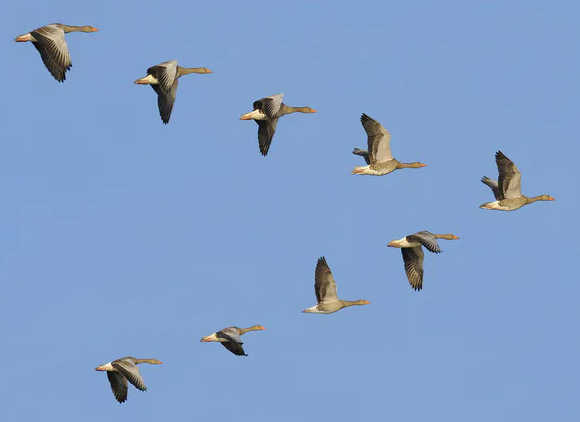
266, 130
270, 106
165, 73
361, 152
130, 371
413, 259
492, 185
51, 45
233, 341
426, 239
378, 140
165, 100
324, 284
510, 178
118, 385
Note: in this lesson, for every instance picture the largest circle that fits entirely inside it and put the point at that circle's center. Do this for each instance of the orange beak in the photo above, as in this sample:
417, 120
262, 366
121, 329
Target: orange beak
551, 198
391, 244
100, 368
22, 38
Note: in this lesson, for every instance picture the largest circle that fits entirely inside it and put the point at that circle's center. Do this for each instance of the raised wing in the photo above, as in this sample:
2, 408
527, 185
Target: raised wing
413, 259
378, 140
492, 185
118, 385
426, 239
53, 50
270, 106
324, 284
130, 371
509, 180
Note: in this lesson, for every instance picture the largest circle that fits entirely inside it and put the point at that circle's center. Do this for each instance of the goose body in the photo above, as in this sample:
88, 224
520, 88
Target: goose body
326, 294
507, 189
230, 338
50, 42
122, 370
163, 79
412, 251
379, 157
266, 112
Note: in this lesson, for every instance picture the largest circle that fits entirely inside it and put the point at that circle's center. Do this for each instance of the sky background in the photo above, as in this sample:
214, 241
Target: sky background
123, 236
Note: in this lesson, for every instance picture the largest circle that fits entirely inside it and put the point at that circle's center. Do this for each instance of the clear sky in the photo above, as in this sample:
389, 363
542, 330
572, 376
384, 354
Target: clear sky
123, 236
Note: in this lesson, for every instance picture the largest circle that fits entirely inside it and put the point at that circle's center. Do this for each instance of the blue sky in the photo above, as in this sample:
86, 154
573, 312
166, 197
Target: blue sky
123, 236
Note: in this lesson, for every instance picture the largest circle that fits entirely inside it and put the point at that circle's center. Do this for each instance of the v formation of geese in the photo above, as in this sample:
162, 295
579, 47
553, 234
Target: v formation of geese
50, 42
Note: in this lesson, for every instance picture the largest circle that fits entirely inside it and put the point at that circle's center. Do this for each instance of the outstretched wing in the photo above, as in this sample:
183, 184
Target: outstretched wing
426, 239
324, 284
509, 179
266, 130
270, 106
413, 259
118, 385
378, 140
492, 185
51, 45
130, 371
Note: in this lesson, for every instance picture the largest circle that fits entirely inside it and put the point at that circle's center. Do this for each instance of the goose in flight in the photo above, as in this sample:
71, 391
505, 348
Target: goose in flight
230, 338
163, 79
325, 289
122, 370
507, 190
50, 42
413, 253
378, 157
266, 112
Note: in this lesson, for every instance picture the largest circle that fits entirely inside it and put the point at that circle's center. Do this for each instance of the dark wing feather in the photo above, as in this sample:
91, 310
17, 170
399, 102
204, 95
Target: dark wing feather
426, 239
324, 284
118, 385
270, 106
235, 348
233, 343
364, 154
413, 259
493, 186
130, 371
509, 179
165, 100
266, 130
53, 50
164, 76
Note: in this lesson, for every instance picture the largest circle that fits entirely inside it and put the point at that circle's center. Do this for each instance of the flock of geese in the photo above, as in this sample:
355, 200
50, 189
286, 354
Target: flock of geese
50, 42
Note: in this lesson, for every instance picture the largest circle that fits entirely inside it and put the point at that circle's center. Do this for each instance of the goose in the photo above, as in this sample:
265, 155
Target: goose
266, 112
123, 369
50, 42
325, 289
413, 253
230, 338
378, 157
163, 79
507, 190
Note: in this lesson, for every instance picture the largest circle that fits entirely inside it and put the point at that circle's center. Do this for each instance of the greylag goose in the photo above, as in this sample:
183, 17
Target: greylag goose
413, 254
163, 79
325, 289
266, 112
507, 190
378, 157
50, 43
230, 338
121, 370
